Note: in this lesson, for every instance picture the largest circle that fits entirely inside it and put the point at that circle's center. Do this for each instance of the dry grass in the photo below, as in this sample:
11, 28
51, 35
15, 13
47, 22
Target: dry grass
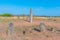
21, 25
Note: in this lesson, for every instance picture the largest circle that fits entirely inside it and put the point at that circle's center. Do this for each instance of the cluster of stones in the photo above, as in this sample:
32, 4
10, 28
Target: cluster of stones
42, 26
11, 28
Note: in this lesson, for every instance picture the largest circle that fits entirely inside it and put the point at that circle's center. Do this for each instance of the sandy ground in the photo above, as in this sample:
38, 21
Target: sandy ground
21, 25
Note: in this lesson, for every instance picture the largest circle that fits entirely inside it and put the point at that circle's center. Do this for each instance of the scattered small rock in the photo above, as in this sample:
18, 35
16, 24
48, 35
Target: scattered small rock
58, 30
37, 30
51, 29
24, 32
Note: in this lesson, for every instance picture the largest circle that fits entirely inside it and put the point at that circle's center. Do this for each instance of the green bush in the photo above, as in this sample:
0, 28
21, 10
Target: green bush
6, 15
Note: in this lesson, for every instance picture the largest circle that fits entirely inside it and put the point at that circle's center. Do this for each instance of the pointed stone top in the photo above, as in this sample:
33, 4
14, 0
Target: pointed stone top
11, 24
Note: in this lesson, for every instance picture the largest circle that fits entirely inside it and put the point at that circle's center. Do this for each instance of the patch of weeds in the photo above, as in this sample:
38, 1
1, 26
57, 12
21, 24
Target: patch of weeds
37, 25
26, 39
7, 31
50, 29
0, 38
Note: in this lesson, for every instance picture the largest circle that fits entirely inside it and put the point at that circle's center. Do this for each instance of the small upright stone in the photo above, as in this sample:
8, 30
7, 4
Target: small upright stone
23, 32
42, 27
10, 32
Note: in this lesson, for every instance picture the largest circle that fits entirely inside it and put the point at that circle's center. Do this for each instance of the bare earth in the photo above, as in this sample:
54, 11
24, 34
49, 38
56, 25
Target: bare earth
21, 25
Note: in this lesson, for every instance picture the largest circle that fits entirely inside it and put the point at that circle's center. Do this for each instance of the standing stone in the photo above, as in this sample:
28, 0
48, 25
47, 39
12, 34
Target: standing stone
31, 15
10, 32
42, 27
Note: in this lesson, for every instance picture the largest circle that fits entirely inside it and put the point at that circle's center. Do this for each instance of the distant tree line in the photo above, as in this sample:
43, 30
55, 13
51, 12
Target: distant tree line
9, 15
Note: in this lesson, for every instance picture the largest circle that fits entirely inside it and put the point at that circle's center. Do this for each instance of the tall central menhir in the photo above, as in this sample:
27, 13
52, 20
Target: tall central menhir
31, 15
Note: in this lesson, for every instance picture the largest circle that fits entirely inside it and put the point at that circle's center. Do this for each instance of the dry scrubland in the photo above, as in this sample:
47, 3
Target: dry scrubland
22, 24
